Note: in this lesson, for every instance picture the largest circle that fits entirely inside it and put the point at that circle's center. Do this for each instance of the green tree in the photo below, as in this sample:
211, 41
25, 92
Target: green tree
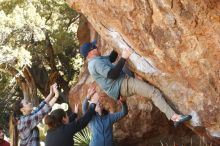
38, 46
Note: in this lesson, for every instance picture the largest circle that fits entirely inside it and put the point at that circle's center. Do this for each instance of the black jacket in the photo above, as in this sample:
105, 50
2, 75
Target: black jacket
63, 135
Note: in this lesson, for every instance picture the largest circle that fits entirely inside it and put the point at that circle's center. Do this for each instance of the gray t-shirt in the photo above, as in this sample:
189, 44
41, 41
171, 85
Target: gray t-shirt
98, 68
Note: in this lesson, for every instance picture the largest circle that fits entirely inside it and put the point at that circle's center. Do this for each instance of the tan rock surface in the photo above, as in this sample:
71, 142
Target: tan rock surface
176, 47
144, 124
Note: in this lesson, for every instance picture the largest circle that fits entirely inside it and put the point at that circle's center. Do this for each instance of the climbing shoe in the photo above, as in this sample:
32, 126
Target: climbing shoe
182, 119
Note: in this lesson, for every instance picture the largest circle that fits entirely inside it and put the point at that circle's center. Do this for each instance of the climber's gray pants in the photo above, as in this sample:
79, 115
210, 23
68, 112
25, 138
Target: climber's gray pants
131, 86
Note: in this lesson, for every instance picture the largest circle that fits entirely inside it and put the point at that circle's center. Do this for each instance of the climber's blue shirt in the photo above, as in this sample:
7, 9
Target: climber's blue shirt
98, 68
102, 126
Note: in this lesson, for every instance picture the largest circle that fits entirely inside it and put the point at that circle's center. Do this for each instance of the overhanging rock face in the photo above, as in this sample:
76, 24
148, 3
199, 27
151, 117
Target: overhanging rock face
176, 47
144, 124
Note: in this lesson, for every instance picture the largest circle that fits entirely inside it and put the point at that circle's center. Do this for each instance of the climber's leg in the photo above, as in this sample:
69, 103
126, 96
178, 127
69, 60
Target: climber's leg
131, 86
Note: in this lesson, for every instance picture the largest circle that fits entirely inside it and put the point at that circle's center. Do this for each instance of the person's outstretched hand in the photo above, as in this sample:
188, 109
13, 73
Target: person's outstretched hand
55, 90
76, 108
95, 98
122, 99
51, 91
126, 53
53, 95
90, 92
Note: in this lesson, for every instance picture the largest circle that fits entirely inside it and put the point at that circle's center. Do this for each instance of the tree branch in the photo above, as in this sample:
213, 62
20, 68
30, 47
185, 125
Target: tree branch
73, 21
50, 53
6, 68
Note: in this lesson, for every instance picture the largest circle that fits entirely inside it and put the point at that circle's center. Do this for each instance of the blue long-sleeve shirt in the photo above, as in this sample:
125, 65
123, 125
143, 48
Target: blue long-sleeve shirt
102, 126
99, 68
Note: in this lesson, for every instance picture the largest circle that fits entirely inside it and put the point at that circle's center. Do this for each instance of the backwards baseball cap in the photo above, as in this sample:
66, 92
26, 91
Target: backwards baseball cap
86, 47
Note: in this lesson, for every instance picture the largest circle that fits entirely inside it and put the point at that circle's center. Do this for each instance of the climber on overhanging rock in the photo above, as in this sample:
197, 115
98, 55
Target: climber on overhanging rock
116, 83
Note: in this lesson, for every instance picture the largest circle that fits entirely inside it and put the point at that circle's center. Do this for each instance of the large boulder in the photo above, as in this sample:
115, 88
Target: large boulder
176, 48
144, 124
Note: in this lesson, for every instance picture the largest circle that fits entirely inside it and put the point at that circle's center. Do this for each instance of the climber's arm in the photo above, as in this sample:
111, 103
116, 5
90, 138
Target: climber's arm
113, 56
115, 72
